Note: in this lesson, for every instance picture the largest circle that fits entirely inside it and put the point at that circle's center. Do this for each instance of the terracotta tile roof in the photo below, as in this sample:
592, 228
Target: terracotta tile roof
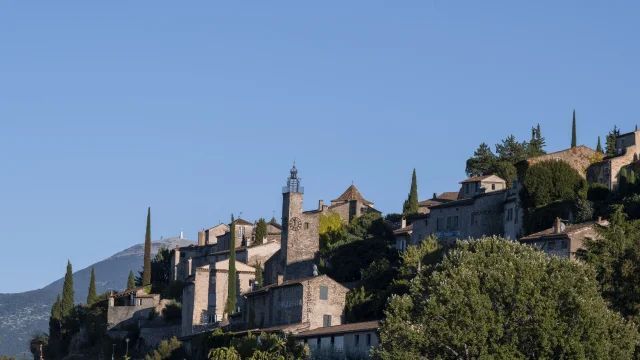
352, 194
341, 329
475, 178
568, 230
448, 195
240, 221
403, 230
284, 283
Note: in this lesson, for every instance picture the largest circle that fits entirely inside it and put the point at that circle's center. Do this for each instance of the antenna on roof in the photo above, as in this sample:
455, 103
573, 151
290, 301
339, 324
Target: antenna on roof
240, 215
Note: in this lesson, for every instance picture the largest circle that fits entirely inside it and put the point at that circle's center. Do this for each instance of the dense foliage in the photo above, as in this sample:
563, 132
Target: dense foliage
615, 256
131, 282
410, 205
549, 182
170, 349
610, 145
223, 346
574, 139
508, 153
261, 231
67, 291
491, 298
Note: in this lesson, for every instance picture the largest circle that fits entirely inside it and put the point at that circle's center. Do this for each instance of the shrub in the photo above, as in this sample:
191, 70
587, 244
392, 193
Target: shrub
172, 313
597, 192
173, 290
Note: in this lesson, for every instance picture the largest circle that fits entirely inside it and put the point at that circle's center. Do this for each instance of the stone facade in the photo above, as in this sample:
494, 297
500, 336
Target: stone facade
317, 301
607, 171
210, 236
424, 206
479, 185
128, 307
579, 158
244, 233
205, 294
351, 340
349, 205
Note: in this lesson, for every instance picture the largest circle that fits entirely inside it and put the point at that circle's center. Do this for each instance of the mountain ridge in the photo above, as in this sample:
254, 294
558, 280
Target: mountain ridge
25, 313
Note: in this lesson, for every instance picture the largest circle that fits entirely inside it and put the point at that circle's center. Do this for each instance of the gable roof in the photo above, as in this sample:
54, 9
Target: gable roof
439, 199
568, 230
240, 266
342, 329
405, 230
240, 221
289, 283
352, 194
480, 178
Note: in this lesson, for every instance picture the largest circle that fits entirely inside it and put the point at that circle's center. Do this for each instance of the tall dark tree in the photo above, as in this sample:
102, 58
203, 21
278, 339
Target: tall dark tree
146, 270
573, 131
261, 231
92, 296
67, 291
482, 162
610, 149
536, 144
54, 326
623, 186
599, 147
131, 283
231, 290
259, 279
411, 204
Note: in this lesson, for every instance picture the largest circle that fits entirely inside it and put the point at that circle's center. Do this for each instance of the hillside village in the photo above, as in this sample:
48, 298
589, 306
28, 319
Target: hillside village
292, 275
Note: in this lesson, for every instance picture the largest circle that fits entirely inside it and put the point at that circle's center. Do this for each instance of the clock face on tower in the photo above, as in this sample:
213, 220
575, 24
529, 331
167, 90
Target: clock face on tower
295, 224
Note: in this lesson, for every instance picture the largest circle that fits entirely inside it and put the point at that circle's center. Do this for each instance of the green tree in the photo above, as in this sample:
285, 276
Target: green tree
259, 280
482, 162
231, 290
573, 131
623, 186
411, 204
54, 326
160, 269
599, 146
146, 269
331, 230
536, 144
92, 296
615, 256
261, 231
224, 353
549, 181
131, 283
496, 299
610, 149
67, 291
632, 181
169, 349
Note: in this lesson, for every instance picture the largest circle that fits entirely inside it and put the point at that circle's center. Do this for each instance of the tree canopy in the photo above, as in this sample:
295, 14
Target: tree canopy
92, 296
261, 231
146, 268
411, 204
495, 299
67, 291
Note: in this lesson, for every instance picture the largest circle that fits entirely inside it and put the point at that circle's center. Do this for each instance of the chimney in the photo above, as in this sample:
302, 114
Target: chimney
435, 196
557, 228
599, 219
189, 262
320, 204
280, 279
201, 238
404, 223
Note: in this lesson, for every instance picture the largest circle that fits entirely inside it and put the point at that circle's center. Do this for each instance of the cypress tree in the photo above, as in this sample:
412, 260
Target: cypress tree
131, 283
231, 290
259, 280
411, 204
146, 269
67, 291
54, 326
599, 147
631, 181
610, 143
573, 131
92, 296
261, 231
624, 181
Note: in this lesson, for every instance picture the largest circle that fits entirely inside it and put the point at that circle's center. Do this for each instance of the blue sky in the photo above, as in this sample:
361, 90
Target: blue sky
197, 109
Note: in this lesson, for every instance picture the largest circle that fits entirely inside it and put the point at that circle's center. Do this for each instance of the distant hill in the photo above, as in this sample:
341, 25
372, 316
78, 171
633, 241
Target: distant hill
26, 313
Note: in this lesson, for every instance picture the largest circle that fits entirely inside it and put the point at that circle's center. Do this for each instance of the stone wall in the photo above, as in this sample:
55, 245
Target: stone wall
579, 158
316, 308
151, 337
187, 308
300, 239
262, 253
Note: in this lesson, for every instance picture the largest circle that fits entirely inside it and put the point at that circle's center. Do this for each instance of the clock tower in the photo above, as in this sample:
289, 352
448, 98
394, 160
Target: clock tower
299, 241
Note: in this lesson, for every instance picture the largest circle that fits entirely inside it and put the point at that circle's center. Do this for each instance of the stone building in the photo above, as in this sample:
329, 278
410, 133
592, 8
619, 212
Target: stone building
477, 213
205, 294
564, 240
424, 206
349, 205
607, 170
350, 340
402, 235
274, 230
131, 306
301, 303
244, 233
210, 236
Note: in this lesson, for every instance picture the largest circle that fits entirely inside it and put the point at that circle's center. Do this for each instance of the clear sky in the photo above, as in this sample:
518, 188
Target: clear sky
198, 108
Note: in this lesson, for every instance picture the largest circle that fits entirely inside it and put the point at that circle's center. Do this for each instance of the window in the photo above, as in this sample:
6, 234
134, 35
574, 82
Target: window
440, 223
357, 339
318, 342
139, 301
477, 186
551, 245
241, 231
452, 222
368, 339
324, 292
509, 214
493, 186
326, 320
455, 222
448, 222
306, 226
563, 244
333, 340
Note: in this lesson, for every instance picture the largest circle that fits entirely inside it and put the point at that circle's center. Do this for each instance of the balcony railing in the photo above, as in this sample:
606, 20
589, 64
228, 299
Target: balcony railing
293, 189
